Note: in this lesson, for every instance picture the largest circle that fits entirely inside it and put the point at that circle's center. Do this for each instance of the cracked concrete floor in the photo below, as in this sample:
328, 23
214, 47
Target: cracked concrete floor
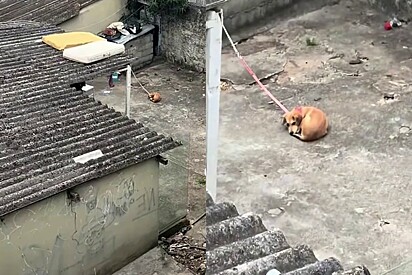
347, 195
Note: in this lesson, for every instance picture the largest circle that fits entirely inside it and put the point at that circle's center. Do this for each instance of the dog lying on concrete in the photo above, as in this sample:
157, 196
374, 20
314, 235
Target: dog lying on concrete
306, 123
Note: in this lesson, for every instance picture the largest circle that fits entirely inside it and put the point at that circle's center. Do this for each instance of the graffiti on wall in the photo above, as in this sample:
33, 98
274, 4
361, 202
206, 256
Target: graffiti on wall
37, 259
92, 216
103, 211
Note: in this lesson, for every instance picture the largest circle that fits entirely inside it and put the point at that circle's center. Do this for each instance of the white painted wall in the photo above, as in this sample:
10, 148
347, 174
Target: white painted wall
96, 17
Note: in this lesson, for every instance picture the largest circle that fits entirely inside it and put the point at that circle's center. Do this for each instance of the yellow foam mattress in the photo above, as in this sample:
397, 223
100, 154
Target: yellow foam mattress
61, 41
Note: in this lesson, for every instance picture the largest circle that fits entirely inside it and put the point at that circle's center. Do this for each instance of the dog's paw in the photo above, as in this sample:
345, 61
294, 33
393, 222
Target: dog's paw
298, 136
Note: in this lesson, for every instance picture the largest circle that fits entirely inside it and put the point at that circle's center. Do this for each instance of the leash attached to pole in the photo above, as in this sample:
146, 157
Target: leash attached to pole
250, 71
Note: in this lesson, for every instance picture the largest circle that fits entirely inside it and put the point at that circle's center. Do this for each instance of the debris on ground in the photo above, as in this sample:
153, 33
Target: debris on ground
383, 222
310, 41
272, 76
388, 98
394, 23
339, 55
405, 130
355, 61
186, 251
359, 59
225, 84
357, 73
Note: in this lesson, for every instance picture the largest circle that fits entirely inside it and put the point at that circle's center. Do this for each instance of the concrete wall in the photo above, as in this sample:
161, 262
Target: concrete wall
96, 17
115, 220
184, 39
244, 13
393, 7
141, 48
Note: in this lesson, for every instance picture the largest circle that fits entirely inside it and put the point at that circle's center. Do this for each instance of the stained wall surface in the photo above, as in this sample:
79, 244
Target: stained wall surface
105, 224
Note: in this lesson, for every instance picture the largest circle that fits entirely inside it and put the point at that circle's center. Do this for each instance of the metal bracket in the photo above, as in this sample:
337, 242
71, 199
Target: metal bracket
215, 23
162, 160
73, 196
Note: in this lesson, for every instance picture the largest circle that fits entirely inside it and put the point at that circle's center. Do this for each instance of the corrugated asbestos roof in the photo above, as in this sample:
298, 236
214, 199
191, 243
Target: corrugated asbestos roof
241, 245
44, 123
50, 11
207, 4
85, 3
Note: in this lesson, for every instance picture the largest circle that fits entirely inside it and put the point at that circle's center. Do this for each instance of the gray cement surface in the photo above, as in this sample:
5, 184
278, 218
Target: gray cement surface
347, 195
154, 262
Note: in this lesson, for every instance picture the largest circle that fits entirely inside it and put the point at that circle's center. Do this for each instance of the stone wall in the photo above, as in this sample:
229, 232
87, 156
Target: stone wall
393, 7
184, 39
244, 13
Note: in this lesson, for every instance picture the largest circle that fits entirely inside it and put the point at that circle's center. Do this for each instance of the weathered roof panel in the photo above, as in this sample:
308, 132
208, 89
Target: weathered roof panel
50, 11
241, 245
44, 123
207, 4
22, 50
85, 3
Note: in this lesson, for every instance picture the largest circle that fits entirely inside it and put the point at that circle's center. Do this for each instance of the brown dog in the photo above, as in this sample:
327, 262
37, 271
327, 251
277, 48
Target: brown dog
154, 97
306, 123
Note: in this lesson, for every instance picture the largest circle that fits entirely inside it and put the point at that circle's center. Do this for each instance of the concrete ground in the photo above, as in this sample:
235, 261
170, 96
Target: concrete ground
154, 262
181, 115
347, 195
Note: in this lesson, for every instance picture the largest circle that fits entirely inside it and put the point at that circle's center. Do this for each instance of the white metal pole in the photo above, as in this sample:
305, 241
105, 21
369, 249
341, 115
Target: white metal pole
213, 67
128, 90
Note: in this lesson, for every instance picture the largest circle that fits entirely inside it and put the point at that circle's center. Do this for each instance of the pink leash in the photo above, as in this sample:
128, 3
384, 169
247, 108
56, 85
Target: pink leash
250, 71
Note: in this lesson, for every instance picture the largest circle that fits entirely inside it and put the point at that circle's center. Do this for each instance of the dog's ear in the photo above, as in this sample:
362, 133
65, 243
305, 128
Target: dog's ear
284, 119
298, 119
